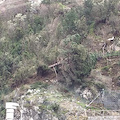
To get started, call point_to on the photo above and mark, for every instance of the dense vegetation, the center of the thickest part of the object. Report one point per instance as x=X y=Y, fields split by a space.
x=32 y=41
x=29 y=40
x=26 y=40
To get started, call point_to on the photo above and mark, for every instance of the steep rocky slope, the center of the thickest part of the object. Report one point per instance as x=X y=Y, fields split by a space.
x=70 y=35
x=46 y=102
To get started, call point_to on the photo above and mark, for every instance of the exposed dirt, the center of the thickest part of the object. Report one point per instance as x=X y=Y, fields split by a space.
x=50 y=78
x=79 y=2
x=111 y=67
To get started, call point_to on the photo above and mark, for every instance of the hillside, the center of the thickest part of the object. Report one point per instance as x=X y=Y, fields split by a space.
x=57 y=55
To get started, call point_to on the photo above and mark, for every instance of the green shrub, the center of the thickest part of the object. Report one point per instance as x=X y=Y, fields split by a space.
x=39 y=85
x=83 y=62
x=20 y=76
x=88 y=6
x=54 y=107
x=93 y=59
x=106 y=68
x=82 y=28
x=46 y=1
x=37 y=24
x=92 y=28
x=80 y=62
x=60 y=32
x=2 y=112
x=100 y=86
x=1 y=27
x=6 y=67
x=18 y=34
x=76 y=38
x=16 y=49
x=68 y=22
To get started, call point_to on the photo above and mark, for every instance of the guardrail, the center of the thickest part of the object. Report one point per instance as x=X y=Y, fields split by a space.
x=102 y=114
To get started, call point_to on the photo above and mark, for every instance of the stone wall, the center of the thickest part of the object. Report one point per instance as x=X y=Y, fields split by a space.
x=110 y=99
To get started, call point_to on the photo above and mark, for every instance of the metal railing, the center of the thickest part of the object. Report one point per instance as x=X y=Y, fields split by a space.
x=102 y=113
